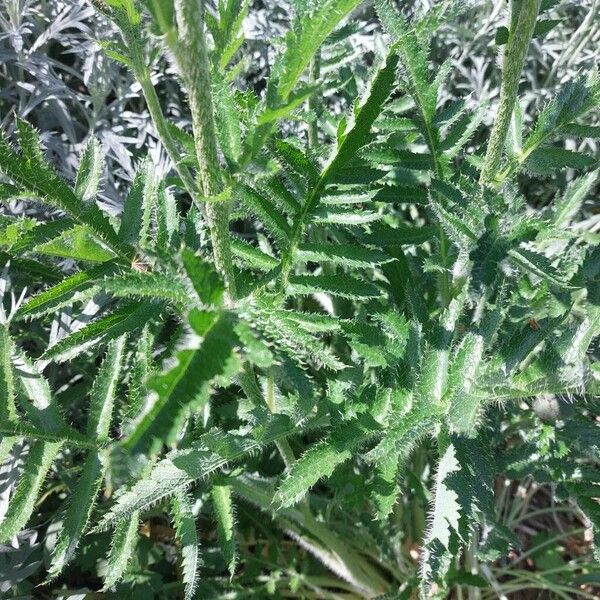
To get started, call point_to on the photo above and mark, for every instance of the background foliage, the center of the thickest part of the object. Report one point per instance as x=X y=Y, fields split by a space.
x=310 y=460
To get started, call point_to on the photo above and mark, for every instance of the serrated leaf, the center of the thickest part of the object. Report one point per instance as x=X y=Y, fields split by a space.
x=89 y=172
x=213 y=451
x=568 y=205
x=126 y=319
x=357 y=133
x=309 y=30
x=102 y=395
x=22 y=503
x=8 y=409
x=185 y=528
x=122 y=548
x=269 y=215
x=186 y=386
x=539 y=265
x=350 y=256
x=322 y=458
x=225 y=518
x=140 y=202
x=337 y=285
x=157 y=286
x=252 y=256
x=463 y=404
x=77 y=243
x=544 y=161
x=64 y=293
x=35 y=396
x=77 y=514
x=204 y=279
x=32 y=172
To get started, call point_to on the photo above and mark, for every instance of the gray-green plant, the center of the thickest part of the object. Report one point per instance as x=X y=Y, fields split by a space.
x=394 y=288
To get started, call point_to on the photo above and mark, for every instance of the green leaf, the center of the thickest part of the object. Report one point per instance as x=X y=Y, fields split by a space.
x=31 y=172
x=77 y=243
x=464 y=405
x=297 y=165
x=156 y=286
x=350 y=256
x=322 y=458
x=309 y=30
x=574 y=100
x=21 y=505
x=225 y=518
x=463 y=489
x=90 y=171
x=413 y=53
x=167 y=219
x=407 y=194
x=102 y=395
x=357 y=133
x=186 y=386
x=185 y=528
x=227 y=119
x=122 y=548
x=406 y=430
x=288 y=331
x=267 y=213
x=205 y=281
x=77 y=514
x=566 y=207
x=35 y=396
x=582 y=131
x=210 y=453
x=403 y=235
x=252 y=257
x=64 y=293
x=295 y=100
x=8 y=409
x=544 y=161
x=539 y=265
x=126 y=319
x=140 y=202
x=337 y=285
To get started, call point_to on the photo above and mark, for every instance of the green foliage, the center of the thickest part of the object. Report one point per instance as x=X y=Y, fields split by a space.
x=384 y=291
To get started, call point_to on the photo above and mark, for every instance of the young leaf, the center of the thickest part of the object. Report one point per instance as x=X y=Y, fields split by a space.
x=346 y=255
x=139 y=205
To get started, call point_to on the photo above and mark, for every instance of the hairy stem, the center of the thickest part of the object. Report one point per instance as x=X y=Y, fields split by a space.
x=132 y=39
x=314 y=103
x=512 y=66
x=192 y=59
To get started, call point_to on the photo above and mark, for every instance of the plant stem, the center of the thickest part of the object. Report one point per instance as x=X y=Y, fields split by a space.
x=314 y=103
x=142 y=74
x=192 y=58
x=512 y=66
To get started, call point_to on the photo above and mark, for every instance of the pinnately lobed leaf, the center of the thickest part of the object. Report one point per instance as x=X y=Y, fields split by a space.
x=309 y=287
